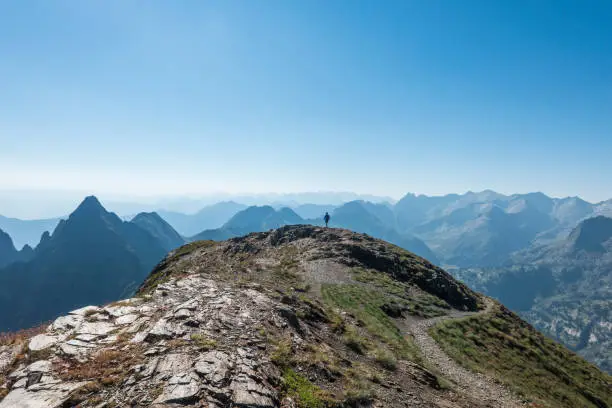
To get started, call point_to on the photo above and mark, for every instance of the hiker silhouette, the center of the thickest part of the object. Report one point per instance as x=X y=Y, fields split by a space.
x=326 y=218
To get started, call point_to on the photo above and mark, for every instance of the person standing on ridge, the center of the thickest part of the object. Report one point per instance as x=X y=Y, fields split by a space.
x=326 y=218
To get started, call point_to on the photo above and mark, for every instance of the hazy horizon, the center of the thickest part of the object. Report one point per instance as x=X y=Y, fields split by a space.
x=111 y=97
x=39 y=204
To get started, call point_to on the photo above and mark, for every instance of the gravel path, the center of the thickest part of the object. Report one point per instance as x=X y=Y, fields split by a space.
x=477 y=385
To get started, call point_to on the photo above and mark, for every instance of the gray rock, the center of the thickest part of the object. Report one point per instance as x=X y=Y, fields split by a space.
x=183 y=314
x=174 y=364
x=139 y=337
x=76 y=349
x=180 y=389
x=126 y=319
x=118 y=311
x=87 y=310
x=52 y=397
x=21 y=383
x=246 y=393
x=86 y=337
x=40 y=366
x=65 y=323
x=7 y=356
x=164 y=329
x=79 y=343
x=42 y=341
x=150 y=368
x=215 y=366
x=191 y=304
x=243 y=398
x=96 y=328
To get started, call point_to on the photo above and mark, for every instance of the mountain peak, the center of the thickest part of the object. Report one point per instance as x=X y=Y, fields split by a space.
x=89 y=205
x=148 y=216
x=591 y=234
x=155 y=225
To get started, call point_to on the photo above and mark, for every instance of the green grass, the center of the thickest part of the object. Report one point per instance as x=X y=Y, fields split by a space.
x=502 y=345
x=365 y=304
x=386 y=359
x=354 y=341
x=282 y=355
x=306 y=394
x=416 y=301
x=203 y=342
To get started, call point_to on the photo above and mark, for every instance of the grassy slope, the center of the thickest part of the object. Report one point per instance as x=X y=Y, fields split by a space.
x=502 y=345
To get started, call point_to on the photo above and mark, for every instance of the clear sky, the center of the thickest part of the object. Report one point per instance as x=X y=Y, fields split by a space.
x=188 y=97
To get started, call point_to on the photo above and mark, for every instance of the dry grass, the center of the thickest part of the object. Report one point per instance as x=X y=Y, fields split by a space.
x=106 y=368
x=20 y=336
x=19 y=340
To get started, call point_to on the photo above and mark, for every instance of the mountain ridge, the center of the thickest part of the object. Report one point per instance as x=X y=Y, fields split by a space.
x=93 y=256
x=301 y=316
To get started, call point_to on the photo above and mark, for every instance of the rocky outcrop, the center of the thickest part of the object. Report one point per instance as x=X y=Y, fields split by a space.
x=165 y=334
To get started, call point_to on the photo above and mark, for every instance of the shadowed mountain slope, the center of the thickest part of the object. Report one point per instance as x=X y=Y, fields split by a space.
x=92 y=257
x=8 y=253
x=159 y=229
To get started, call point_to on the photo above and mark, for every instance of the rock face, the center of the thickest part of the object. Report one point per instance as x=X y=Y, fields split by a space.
x=256 y=322
x=160 y=229
x=166 y=363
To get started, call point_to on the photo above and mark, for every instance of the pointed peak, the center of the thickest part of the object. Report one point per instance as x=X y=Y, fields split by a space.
x=91 y=201
x=6 y=242
x=46 y=236
x=90 y=205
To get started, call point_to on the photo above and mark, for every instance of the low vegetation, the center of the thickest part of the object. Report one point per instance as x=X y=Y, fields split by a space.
x=365 y=305
x=203 y=342
x=304 y=392
x=411 y=299
x=107 y=368
x=503 y=346
x=20 y=336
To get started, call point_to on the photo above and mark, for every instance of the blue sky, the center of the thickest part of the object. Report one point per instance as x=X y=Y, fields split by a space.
x=191 y=97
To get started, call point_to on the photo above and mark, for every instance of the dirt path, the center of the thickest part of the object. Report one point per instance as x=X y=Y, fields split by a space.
x=477 y=385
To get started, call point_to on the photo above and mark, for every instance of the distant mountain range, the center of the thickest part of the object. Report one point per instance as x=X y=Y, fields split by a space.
x=92 y=257
x=155 y=225
x=359 y=216
x=564 y=288
x=209 y=217
x=548 y=258
x=26 y=232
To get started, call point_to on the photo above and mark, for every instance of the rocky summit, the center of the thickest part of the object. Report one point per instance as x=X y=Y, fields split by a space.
x=300 y=316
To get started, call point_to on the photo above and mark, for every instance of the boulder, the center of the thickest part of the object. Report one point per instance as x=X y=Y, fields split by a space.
x=54 y=396
x=42 y=341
